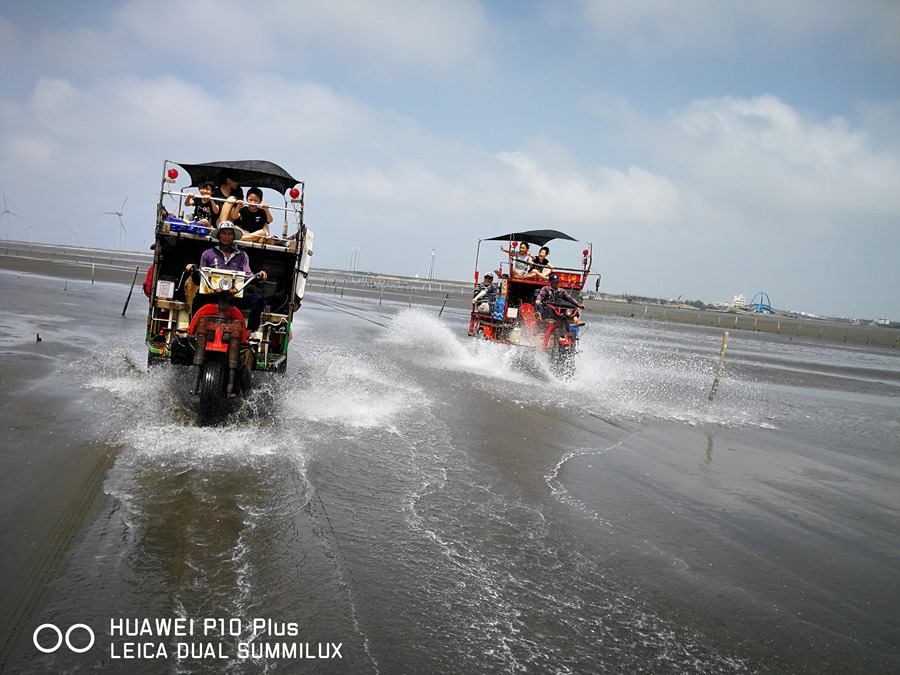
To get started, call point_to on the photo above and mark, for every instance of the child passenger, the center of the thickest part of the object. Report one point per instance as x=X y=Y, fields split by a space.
x=540 y=266
x=229 y=191
x=520 y=262
x=254 y=218
x=205 y=209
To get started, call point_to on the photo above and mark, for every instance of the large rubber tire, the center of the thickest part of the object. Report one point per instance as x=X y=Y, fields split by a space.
x=154 y=360
x=562 y=359
x=212 y=393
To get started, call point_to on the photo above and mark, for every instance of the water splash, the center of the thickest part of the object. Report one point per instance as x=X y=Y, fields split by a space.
x=662 y=376
x=619 y=373
x=351 y=389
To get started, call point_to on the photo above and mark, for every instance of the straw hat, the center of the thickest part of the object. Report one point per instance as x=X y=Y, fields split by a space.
x=227 y=225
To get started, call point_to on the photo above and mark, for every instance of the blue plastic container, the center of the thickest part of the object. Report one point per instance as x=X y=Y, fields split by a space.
x=179 y=225
x=499 y=307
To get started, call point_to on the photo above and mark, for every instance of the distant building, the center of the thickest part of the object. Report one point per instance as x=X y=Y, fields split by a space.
x=738 y=300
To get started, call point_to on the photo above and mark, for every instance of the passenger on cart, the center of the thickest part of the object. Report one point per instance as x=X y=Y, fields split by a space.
x=229 y=192
x=253 y=217
x=484 y=298
x=520 y=262
x=206 y=211
x=540 y=266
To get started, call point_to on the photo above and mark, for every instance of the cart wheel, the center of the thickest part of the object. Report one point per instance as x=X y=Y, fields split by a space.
x=212 y=393
x=154 y=360
x=562 y=358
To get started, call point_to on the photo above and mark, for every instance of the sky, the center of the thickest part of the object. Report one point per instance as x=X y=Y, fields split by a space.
x=705 y=149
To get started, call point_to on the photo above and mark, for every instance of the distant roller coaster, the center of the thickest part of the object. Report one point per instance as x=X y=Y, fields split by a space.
x=760 y=303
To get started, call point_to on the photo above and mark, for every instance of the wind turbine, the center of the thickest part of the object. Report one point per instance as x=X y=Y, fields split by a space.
x=119 y=213
x=7 y=213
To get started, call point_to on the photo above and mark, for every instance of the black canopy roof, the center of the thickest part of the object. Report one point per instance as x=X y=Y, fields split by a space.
x=536 y=237
x=251 y=172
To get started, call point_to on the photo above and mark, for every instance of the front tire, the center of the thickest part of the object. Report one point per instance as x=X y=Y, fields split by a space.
x=212 y=393
x=154 y=360
x=562 y=358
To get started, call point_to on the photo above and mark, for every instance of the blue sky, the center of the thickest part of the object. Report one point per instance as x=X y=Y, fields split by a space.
x=705 y=148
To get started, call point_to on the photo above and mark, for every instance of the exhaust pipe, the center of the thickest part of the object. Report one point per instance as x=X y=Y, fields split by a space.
x=197 y=372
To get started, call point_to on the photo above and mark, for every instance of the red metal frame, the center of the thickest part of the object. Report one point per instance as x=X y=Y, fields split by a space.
x=489 y=327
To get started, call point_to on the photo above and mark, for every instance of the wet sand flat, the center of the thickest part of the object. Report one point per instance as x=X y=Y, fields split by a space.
x=774 y=528
x=428 y=499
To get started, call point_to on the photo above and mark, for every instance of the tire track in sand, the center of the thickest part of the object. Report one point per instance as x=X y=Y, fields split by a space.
x=28 y=591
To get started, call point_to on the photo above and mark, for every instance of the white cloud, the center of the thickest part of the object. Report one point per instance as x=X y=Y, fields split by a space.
x=228 y=36
x=656 y=28
x=30 y=155
x=408 y=34
x=331 y=94
x=217 y=41
x=766 y=156
x=9 y=44
x=607 y=195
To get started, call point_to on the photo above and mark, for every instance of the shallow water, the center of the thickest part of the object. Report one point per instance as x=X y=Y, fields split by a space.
x=423 y=502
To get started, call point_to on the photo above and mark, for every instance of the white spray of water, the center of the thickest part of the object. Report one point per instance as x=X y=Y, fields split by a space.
x=352 y=390
x=619 y=374
x=362 y=396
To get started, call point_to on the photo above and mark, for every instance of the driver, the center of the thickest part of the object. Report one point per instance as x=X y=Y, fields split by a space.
x=553 y=294
x=226 y=255
x=485 y=296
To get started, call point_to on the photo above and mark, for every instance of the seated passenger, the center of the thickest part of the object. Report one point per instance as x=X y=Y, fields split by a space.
x=228 y=193
x=484 y=298
x=226 y=255
x=520 y=262
x=540 y=266
x=206 y=211
x=553 y=294
x=254 y=218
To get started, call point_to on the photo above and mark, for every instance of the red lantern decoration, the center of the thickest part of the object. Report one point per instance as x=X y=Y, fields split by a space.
x=584 y=252
x=515 y=244
x=295 y=193
x=584 y=261
x=173 y=173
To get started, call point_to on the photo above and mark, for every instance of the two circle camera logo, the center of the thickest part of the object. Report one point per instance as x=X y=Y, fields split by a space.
x=67 y=638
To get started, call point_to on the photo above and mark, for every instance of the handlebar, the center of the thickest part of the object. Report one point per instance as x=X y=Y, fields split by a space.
x=562 y=305
x=563 y=310
x=240 y=280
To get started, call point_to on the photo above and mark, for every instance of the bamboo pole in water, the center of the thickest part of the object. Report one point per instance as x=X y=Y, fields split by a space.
x=128 y=299
x=720 y=368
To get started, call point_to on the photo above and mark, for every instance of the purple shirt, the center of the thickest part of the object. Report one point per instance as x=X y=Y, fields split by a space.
x=547 y=293
x=213 y=257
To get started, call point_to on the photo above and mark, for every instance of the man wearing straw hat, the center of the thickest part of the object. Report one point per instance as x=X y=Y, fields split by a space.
x=226 y=255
